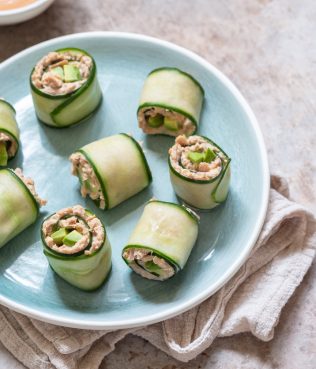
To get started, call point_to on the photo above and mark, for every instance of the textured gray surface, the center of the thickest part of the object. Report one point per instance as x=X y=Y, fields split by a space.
x=268 y=49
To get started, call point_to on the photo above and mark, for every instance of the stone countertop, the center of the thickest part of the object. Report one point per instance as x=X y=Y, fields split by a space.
x=268 y=49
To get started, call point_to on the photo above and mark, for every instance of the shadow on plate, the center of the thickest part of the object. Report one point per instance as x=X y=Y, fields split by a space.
x=64 y=141
x=122 y=210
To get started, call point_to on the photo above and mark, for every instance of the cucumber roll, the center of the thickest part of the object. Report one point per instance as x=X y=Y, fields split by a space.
x=19 y=203
x=199 y=171
x=9 y=133
x=111 y=170
x=162 y=241
x=170 y=103
x=77 y=247
x=65 y=88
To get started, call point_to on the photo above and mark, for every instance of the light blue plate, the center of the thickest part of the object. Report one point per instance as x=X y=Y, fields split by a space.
x=227 y=234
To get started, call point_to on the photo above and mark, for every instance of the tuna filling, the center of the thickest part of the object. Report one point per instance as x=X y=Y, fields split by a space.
x=73 y=231
x=60 y=73
x=147 y=264
x=196 y=158
x=90 y=185
x=155 y=120
x=8 y=147
x=31 y=186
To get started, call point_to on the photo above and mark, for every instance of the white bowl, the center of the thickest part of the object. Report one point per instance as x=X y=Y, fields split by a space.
x=24 y=13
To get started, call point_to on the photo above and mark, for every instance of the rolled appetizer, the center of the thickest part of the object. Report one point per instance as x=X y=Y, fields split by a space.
x=162 y=241
x=65 y=88
x=77 y=247
x=19 y=203
x=111 y=170
x=199 y=171
x=170 y=103
x=9 y=133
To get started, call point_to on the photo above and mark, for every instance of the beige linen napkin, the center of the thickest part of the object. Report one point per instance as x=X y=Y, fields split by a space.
x=250 y=302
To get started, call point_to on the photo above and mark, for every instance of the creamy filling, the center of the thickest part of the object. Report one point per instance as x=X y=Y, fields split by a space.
x=48 y=75
x=87 y=225
x=184 y=124
x=10 y=144
x=180 y=158
x=31 y=186
x=90 y=185
x=148 y=265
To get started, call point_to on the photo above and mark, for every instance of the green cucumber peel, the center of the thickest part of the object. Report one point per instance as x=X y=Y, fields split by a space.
x=26 y=189
x=183 y=208
x=220 y=192
x=141 y=153
x=2 y=101
x=181 y=72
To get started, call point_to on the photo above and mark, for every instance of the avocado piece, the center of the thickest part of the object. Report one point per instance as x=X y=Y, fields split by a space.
x=3 y=154
x=59 y=235
x=209 y=155
x=170 y=124
x=196 y=157
x=156 y=121
x=72 y=73
x=72 y=238
x=58 y=71
x=152 y=267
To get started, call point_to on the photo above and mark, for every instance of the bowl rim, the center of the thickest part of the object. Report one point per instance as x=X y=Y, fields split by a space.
x=231 y=271
x=24 y=9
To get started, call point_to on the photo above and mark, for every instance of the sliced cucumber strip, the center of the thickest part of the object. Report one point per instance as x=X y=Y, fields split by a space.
x=204 y=193
x=221 y=191
x=68 y=108
x=18 y=208
x=162 y=240
x=173 y=94
x=9 y=133
x=85 y=266
x=119 y=166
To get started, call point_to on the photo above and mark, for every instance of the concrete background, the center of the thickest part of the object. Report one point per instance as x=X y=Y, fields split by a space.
x=268 y=49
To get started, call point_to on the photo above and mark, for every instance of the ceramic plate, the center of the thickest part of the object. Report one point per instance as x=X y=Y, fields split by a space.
x=226 y=236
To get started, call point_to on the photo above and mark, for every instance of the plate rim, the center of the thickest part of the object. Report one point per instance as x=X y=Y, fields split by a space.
x=232 y=270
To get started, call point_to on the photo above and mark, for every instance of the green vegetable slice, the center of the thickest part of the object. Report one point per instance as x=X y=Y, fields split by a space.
x=18 y=210
x=162 y=240
x=199 y=193
x=104 y=157
x=64 y=110
x=8 y=127
x=84 y=270
x=174 y=94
